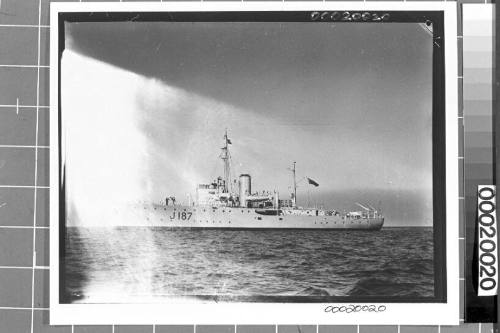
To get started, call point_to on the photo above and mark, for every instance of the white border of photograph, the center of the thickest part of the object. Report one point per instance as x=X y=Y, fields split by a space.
x=211 y=312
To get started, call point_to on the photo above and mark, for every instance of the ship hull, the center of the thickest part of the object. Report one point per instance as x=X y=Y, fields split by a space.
x=245 y=218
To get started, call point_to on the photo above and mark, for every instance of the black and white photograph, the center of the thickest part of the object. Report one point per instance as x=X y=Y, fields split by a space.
x=252 y=157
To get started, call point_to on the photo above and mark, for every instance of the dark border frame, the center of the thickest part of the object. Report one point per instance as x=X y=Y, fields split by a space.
x=438 y=129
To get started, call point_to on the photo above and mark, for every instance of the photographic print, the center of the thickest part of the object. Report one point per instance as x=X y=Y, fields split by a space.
x=252 y=157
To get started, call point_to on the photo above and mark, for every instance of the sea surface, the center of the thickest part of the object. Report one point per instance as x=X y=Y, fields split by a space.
x=143 y=264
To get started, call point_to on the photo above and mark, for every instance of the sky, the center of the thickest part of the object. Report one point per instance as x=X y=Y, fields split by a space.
x=146 y=105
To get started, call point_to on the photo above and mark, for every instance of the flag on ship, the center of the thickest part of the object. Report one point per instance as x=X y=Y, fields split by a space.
x=312 y=182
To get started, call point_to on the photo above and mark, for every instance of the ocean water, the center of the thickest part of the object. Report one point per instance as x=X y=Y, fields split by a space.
x=145 y=264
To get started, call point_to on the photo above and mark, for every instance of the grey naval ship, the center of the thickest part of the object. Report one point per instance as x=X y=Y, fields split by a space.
x=218 y=205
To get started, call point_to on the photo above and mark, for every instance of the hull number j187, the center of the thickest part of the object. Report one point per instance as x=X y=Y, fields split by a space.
x=181 y=215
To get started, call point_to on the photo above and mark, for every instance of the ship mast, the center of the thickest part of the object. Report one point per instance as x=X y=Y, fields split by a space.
x=294 y=186
x=225 y=158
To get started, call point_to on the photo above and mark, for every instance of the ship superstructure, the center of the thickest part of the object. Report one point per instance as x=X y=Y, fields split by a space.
x=232 y=204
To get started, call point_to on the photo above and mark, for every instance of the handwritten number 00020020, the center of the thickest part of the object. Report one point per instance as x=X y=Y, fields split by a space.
x=352 y=308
